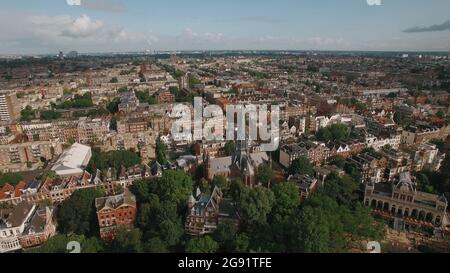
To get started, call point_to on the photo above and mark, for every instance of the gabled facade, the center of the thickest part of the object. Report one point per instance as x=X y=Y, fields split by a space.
x=114 y=212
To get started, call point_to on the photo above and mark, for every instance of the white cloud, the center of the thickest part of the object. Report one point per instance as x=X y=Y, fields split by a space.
x=189 y=34
x=82 y=27
x=99 y=5
x=73 y=2
x=46 y=34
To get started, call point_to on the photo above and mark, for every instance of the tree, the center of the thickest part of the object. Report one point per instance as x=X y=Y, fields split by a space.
x=171 y=231
x=78 y=102
x=225 y=235
x=302 y=166
x=360 y=225
x=175 y=186
x=313 y=232
x=440 y=144
x=341 y=189
x=286 y=199
x=50 y=115
x=441 y=115
x=324 y=135
x=338 y=161
x=122 y=89
x=127 y=241
x=161 y=152
x=27 y=114
x=114 y=80
x=58 y=244
x=113 y=159
x=334 y=133
x=236 y=189
x=113 y=106
x=77 y=214
x=241 y=243
x=220 y=182
x=48 y=174
x=10 y=178
x=156 y=245
x=230 y=147
x=144 y=97
x=256 y=204
x=113 y=123
x=202 y=245
x=353 y=171
x=264 y=174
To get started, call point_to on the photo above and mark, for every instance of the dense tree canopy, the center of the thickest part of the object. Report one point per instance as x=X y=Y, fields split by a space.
x=230 y=148
x=220 y=182
x=162 y=210
x=264 y=174
x=50 y=115
x=333 y=133
x=113 y=159
x=127 y=241
x=301 y=166
x=144 y=97
x=10 y=178
x=77 y=214
x=27 y=114
x=161 y=152
x=256 y=204
x=79 y=101
x=58 y=244
x=202 y=245
x=175 y=186
x=113 y=106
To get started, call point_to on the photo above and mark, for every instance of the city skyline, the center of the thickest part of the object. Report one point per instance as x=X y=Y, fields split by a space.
x=96 y=26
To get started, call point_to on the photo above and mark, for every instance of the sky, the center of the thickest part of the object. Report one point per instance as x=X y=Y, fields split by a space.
x=88 y=26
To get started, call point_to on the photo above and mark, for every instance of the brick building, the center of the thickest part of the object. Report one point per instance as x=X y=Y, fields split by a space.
x=114 y=212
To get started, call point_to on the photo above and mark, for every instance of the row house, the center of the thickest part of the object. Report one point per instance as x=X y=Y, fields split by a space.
x=209 y=149
x=132 y=125
x=16 y=157
x=380 y=125
x=25 y=225
x=425 y=156
x=315 y=152
x=371 y=167
x=40 y=228
x=9 y=191
x=134 y=172
x=165 y=97
x=65 y=131
x=397 y=162
x=349 y=148
x=380 y=142
x=144 y=142
x=424 y=133
x=93 y=130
